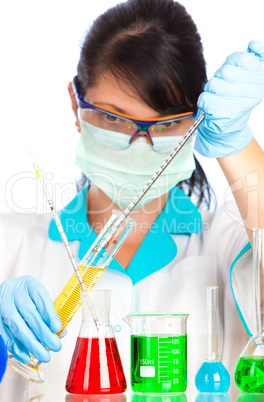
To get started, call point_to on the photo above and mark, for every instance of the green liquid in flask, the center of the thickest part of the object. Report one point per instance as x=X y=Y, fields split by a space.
x=159 y=363
x=249 y=374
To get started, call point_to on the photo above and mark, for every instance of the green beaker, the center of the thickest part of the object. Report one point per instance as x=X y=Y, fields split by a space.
x=249 y=372
x=158 y=352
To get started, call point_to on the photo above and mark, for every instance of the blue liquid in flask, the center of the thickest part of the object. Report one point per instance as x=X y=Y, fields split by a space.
x=212 y=377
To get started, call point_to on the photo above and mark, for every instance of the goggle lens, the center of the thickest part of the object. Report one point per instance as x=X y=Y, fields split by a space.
x=108 y=121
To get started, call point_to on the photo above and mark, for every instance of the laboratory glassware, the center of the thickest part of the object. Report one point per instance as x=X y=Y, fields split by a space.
x=212 y=376
x=91 y=267
x=96 y=366
x=3 y=358
x=158 y=352
x=249 y=372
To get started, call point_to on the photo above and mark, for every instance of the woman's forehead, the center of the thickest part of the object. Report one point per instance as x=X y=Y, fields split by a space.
x=118 y=96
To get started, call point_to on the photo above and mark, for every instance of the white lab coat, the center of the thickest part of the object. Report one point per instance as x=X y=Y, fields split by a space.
x=203 y=259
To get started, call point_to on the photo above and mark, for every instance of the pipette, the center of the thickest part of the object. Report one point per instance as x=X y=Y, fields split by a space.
x=57 y=221
x=32 y=370
x=62 y=233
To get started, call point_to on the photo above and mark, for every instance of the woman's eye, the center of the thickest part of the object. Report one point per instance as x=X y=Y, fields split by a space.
x=110 y=118
x=167 y=125
x=170 y=124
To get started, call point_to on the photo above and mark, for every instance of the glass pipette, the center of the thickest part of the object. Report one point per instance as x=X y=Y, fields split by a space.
x=68 y=301
x=212 y=376
x=64 y=239
x=57 y=221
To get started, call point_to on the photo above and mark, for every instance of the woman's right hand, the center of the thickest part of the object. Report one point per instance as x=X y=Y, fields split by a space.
x=28 y=319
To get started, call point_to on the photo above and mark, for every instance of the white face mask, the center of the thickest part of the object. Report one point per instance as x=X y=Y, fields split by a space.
x=121 y=173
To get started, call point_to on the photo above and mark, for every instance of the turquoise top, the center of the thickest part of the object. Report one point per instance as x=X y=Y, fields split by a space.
x=179 y=216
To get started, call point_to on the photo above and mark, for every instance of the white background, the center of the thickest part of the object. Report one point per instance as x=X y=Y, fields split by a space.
x=40 y=45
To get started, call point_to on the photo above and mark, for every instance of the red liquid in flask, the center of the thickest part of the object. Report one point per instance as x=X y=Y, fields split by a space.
x=96 y=368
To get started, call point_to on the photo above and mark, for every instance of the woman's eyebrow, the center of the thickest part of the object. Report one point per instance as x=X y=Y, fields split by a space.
x=110 y=106
x=119 y=110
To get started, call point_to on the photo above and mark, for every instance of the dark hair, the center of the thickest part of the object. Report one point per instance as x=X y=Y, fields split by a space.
x=153 y=47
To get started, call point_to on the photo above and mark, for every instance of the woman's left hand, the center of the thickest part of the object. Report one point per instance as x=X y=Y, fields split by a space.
x=228 y=98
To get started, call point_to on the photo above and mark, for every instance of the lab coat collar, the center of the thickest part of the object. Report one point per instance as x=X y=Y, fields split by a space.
x=158 y=249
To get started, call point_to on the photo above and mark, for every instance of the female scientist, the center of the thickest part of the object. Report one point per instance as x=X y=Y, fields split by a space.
x=143 y=60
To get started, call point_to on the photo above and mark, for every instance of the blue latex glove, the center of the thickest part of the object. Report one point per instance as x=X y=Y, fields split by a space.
x=228 y=98
x=28 y=319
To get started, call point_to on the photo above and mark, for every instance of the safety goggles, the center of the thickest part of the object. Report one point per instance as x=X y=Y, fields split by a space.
x=111 y=120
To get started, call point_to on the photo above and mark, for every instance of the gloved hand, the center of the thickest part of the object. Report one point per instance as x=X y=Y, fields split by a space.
x=27 y=319
x=228 y=98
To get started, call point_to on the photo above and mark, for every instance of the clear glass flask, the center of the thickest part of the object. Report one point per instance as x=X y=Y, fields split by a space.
x=212 y=376
x=96 y=367
x=249 y=372
x=92 y=266
x=158 y=352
